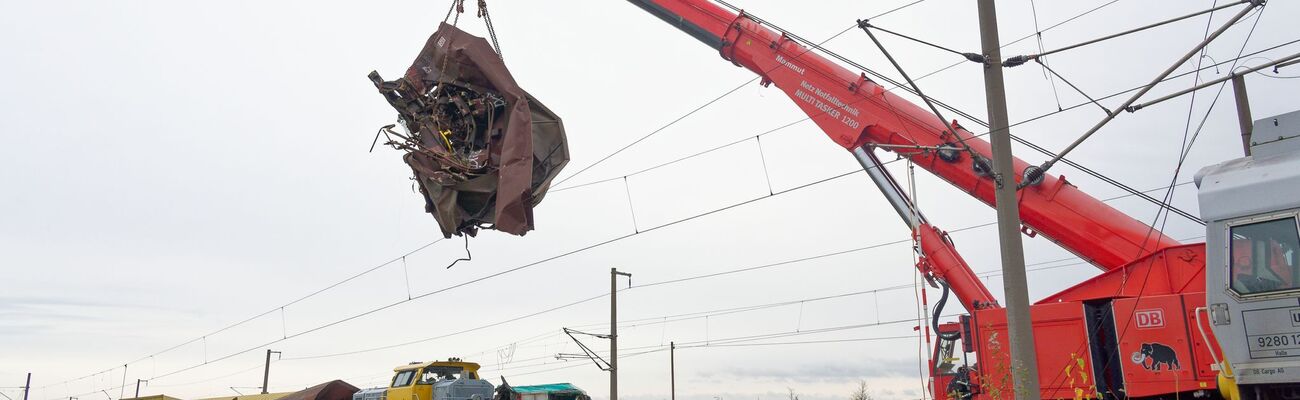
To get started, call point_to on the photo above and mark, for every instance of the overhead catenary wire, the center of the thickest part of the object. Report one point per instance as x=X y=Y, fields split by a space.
x=967 y=115
x=870 y=339
x=723 y=342
x=501 y=273
x=1104 y=178
x=250 y=368
x=896 y=84
x=695 y=315
x=589 y=299
x=1018 y=139
x=1023 y=38
x=1040 y=149
x=898 y=287
x=1038 y=35
x=915 y=88
x=313 y=294
x=620 y=356
x=656 y=131
x=279 y=308
x=1182 y=158
x=719 y=342
x=1191 y=106
x=656 y=320
x=703 y=276
x=973 y=57
x=698 y=314
x=819 y=47
x=1276 y=67
x=1172 y=77
x=681 y=159
x=1044 y=151
x=714 y=100
x=1231 y=75
x=1021 y=59
x=1184 y=149
x=665 y=319
x=1071 y=84
x=740 y=342
x=518 y=344
x=464 y=331
x=1031 y=145
x=412 y=298
x=1033 y=175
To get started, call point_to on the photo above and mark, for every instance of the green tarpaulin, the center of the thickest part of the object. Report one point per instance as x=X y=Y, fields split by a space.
x=549 y=388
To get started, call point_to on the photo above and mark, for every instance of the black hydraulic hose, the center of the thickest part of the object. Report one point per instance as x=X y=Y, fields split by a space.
x=938 y=309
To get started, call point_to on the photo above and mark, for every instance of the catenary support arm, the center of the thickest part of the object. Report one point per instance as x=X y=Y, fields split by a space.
x=855 y=111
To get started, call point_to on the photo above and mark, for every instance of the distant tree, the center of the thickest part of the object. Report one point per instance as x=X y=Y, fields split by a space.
x=793 y=395
x=861 y=393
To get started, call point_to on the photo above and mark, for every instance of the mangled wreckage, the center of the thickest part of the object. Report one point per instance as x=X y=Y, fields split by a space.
x=482 y=149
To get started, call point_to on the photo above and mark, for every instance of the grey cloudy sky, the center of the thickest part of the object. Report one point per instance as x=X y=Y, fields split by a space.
x=170 y=168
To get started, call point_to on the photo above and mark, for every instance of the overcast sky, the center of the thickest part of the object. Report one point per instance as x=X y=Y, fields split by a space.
x=171 y=168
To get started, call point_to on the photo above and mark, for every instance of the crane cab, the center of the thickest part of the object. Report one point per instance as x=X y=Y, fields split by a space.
x=951 y=367
x=1251 y=206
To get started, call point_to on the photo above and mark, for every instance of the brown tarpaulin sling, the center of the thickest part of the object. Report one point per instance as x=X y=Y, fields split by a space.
x=516 y=152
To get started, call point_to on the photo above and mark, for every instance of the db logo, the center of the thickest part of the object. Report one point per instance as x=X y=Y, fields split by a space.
x=1150 y=318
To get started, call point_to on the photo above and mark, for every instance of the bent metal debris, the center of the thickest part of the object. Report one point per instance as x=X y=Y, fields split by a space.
x=482 y=149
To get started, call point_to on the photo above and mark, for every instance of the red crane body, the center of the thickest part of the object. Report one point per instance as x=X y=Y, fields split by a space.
x=1085 y=333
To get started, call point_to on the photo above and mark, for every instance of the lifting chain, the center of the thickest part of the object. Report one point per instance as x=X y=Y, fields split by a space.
x=492 y=32
x=458 y=8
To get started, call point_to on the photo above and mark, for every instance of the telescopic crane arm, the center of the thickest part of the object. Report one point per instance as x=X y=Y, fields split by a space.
x=939 y=260
x=859 y=114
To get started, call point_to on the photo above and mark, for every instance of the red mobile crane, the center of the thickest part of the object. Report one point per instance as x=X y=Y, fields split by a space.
x=1129 y=332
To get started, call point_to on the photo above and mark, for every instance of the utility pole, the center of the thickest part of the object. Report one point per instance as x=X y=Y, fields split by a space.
x=121 y=390
x=266 y=373
x=1024 y=362
x=613 y=330
x=137 y=386
x=672 y=369
x=28 y=387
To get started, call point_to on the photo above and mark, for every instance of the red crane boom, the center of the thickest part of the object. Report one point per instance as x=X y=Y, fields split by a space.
x=854 y=112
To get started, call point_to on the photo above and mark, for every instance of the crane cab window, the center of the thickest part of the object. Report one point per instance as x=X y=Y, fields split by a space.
x=1265 y=257
x=948 y=356
x=403 y=379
